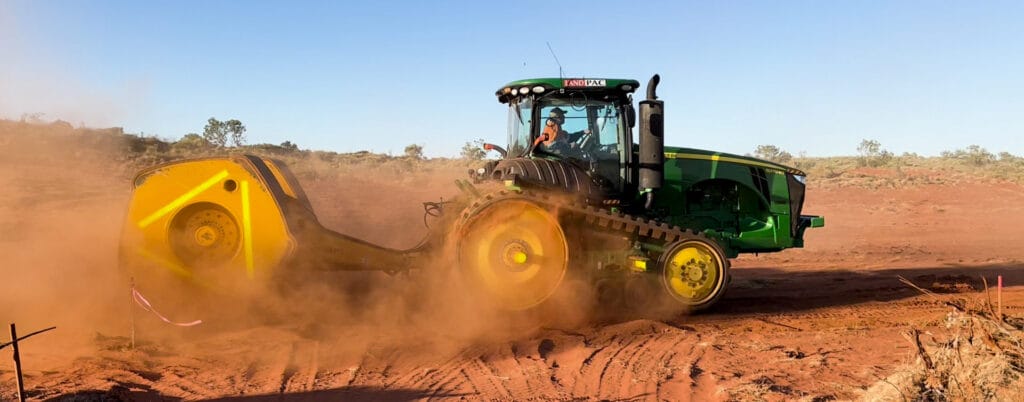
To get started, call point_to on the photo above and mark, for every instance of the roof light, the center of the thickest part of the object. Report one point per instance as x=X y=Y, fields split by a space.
x=538 y=89
x=524 y=90
x=515 y=92
x=627 y=87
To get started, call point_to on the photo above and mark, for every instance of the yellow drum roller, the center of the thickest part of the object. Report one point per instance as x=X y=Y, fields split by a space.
x=221 y=223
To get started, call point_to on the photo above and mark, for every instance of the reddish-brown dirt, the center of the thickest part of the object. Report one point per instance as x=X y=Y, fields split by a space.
x=820 y=323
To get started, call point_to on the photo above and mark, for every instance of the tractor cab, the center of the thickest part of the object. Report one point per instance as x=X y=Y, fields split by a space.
x=584 y=123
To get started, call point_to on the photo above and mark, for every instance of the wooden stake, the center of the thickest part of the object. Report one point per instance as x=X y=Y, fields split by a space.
x=17 y=363
x=131 y=309
x=999 y=297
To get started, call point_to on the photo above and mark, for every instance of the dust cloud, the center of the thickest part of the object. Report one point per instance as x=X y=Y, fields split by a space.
x=62 y=212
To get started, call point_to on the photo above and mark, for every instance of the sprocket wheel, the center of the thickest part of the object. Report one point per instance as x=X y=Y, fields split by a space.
x=514 y=251
x=694 y=271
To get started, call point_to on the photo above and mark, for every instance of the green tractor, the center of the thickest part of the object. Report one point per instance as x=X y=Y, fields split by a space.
x=616 y=210
x=576 y=197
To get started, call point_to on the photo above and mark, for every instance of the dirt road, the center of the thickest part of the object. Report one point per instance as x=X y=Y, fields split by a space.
x=822 y=323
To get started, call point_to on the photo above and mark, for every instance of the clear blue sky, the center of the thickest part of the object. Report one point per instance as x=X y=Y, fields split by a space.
x=813 y=76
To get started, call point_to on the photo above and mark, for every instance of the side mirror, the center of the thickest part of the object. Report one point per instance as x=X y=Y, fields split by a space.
x=630 y=116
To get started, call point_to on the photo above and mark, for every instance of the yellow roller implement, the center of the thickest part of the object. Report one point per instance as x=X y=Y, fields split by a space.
x=195 y=220
x=233 y=222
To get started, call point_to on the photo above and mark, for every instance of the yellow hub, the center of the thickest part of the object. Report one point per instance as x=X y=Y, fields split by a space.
x=206 y=236
x=693 y=272
x=515 y=256
x=515 y=252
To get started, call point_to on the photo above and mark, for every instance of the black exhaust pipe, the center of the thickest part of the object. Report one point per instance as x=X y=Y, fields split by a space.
x=652 y=142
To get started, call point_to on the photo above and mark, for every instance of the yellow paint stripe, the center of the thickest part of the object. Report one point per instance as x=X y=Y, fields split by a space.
x=169 y=265
x=166 y=209
x=247 y=231
x=174 y=267
x=716 y=158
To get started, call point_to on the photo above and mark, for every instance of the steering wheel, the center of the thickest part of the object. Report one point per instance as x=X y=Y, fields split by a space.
x=586 y=142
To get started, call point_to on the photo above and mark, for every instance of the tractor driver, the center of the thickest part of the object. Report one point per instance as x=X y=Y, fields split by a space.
x=557 y=140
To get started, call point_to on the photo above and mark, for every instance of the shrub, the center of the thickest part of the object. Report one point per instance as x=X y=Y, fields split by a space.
x=190 y=142
x=473 y=150
x=872 y=154
x=414 y=151
x=974 y=155
x=772 y=153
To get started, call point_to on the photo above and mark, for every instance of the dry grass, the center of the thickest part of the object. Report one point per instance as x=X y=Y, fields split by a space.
x=908 y=170
x=980 y=358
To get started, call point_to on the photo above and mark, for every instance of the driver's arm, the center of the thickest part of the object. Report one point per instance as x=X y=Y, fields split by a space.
x=573 y=137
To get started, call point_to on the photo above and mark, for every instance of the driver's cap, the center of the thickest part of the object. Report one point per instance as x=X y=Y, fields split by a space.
x=557 y=114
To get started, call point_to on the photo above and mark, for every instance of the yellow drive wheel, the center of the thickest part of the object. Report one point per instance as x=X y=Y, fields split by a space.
x=695 y=271
x=513 y=251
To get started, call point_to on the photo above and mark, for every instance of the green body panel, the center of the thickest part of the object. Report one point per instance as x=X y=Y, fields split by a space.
x=716 y=192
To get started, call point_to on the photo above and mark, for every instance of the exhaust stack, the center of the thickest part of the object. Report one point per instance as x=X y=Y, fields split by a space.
x=652 y=142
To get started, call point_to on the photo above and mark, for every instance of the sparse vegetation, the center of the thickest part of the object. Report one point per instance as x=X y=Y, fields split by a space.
x=414 y=151
x=908 y=169
x=980 y=358
x=219 y=132
x=772 y=153
x=473 y=150
x=872 y=154
x=974 y=154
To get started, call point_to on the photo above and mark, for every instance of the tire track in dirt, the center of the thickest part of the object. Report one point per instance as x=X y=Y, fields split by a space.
x=615 y=375
x=303 y=368
x=447 y=377
x=608 y=369
x=537 y=373
x=489 y=379
x=669 y=385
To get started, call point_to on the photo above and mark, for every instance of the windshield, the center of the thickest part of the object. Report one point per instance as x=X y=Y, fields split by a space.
x=519 y=118
x=589 y=131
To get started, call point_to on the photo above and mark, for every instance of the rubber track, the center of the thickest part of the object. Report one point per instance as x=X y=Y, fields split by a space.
x=615 y=221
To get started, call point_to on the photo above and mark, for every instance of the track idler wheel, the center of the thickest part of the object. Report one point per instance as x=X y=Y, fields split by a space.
x=514 y=252
x=695 y=271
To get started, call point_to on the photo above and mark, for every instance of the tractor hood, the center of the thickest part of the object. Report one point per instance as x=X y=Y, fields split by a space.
x=701 y=154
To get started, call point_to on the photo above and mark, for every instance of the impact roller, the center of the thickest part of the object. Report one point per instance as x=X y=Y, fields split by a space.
x=218 y=224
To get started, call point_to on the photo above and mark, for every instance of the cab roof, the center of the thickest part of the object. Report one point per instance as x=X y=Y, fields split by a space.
x=543 y=85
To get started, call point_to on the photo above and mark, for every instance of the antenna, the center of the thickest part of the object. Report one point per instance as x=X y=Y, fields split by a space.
x=556 y=59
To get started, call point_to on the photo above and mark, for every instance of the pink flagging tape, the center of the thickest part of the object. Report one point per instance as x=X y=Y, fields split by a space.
x=141 y=301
